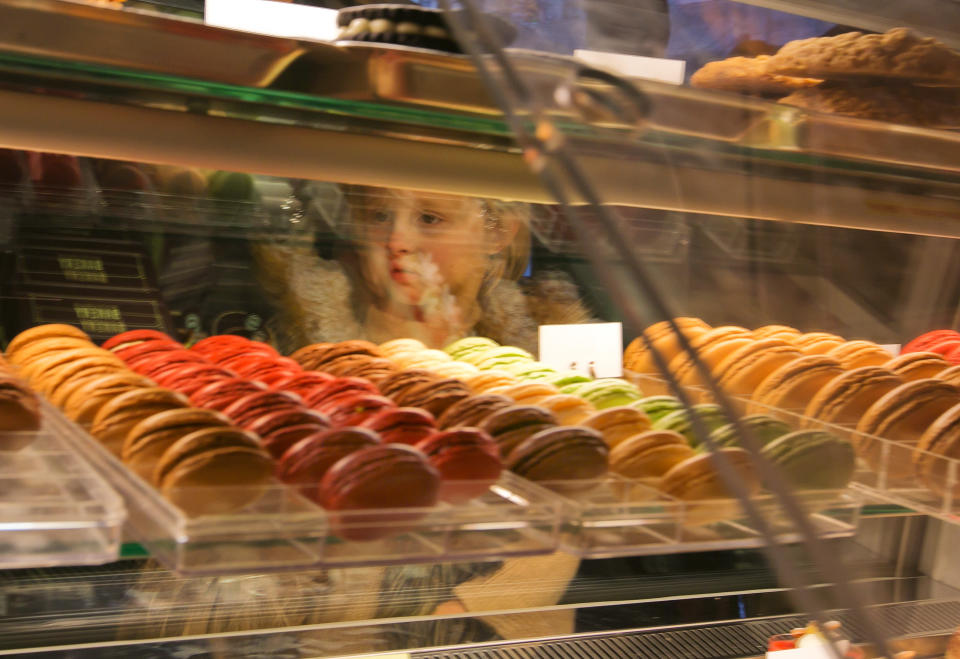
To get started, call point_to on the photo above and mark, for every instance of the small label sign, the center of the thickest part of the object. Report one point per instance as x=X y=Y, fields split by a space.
x=277 y=19
x=594 y=349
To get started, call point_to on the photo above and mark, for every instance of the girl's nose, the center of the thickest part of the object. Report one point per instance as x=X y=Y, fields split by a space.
x=403 y=238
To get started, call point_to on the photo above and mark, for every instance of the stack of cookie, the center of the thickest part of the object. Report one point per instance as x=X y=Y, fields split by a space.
x=897 y=76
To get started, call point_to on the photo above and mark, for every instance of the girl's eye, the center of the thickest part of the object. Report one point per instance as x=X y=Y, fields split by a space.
x=430 y=219
x=381 y=216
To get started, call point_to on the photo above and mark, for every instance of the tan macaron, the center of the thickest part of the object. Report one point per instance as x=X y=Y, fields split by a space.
x=148 y=440
x=938 y=447
x=114 y=420
x=526 y=393
x=486 y=380
x=742 y=372
x=50 y=381
x=917 y=365
x=84 y=403
x=28 y=336
x=782 y=332
x=792 y=386
x=570 y=410
x=639 y=359
x=618 y=423
x=649 y=455
x=951 y=375
x=46 y=347
x=857 y=354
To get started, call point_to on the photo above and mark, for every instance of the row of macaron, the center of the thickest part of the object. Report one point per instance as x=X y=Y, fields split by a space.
x=944 y=342
x=19 y=411
x=907 y=399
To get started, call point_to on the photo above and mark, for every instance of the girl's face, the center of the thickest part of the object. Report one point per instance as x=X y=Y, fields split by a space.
x=416 y=248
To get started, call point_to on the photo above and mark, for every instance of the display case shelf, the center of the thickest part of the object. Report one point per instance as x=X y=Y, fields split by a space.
x=54 y=508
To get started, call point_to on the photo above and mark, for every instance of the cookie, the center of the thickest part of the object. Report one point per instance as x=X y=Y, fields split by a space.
x=748 y=75
x=890 y=102
x=896 y=54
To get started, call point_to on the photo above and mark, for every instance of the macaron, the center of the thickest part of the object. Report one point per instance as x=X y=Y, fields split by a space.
x=917 y=365
x=434 y=397
x=214 y=471
x=762 y=427
x=343 y=386
x=49 y=331
x=902 y=416
x=221 y=394
x=656 y=407
x=82 y=403
x=638 y=358
x=696 y=479
x=252 y=366
x=817 y=343
x=135 y=354
x=743 y=370
x=134 y=337
x=529 y=370
x=459 y=370
x=360 y=366
x=467 y=459
x=793 y=385
x=510 y=426
x=277 y=441
x=649 y=455
x=561 y=456
x=937 y=448
x=486 y=380
x=563 y=378
x=190 y=378
x=115 y=419
x=812 y=460
x=397 y=384
x=681 y=421
x=857 y=354
x=950 y=375
x=401 y=425
x=468 y=345
x=608 y=392
x=212 y=344
x=354 y=410
x=50 y=381
x=526 y=393
x=471 y=411
x=388 y=348
x=72 y=393
x=19 y=414
x=307 y=461
x=364 y=492
x=306 y=382
x=570 y=410
x=617 y=424
x=845 y=398
x=41 y=348
x=156 y=365
x=249 y=408
x=270 y=422
x=313 y=357
x=711 y=356
x=497 y=357
x=36 y=370
x=926 y=340
x=782 y=332
x=420 y=359
x=149 y=439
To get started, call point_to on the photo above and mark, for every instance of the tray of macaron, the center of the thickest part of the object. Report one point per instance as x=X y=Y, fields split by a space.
x=232 y=457
x=659 y=491
x=897 y=412
x=54 y=508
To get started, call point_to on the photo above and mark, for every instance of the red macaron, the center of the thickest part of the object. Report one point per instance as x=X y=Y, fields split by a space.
x=137 y=353
x=278 y=441
x=188 y=377
x=221 y=394
x=134 y=337
x=364 y=491
x=354 y=409
x=307 y=461
x=337 y=387
x=923 y=342
x=211 y=344
x=273 y=421
x=402 y=425
x=305 y=383
x=468 y=461
x=251 y=407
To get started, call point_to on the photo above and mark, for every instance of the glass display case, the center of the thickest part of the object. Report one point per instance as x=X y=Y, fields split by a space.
x=278 y=307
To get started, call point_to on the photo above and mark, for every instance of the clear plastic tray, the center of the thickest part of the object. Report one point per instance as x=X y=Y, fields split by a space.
x=617 y=516
x=284 y=530
x=54 y=508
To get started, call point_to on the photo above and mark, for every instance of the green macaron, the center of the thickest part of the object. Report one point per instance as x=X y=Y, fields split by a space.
x=681 y=421
x=468 y=345
x=656 y=407
x=763 y=427
x=497 y=357
x=608 y=392
x=812 y=459
x=529 y=370
x=566 y=378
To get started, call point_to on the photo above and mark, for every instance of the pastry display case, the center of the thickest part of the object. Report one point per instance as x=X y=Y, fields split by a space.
x=281 y=303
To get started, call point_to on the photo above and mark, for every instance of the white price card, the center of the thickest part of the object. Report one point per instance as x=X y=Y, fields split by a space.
x=594 y=349
x=277 y=19
x=388 y=655
x=892 y=348
x=635 y=66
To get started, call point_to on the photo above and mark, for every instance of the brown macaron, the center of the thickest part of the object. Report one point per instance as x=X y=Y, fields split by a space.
x=28 y=336
x=84 y=402
x=792 y=386
x=434 y=397
x=227 y=459
x=398 y=384
x=510 y=426
x=902 y=416
x=314 y=357
x=942 y=438
x=115 y=419
x=845 y=398
x=149 y=440
x=917 y=365
x=471 y=411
